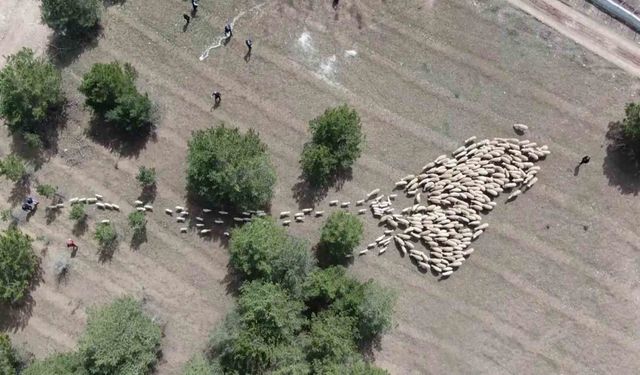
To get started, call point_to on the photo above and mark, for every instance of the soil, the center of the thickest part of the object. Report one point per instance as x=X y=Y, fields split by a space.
x=541 y=294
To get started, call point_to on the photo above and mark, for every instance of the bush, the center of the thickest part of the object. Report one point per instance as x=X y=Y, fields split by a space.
x=57 y=364
x=106 y=236
x=18 y=265
x=631 y=122
x=8 y=357
x=13 y=168
x=71 y=17
x=33 y=141
x=78 y=213
x=255 y=336
x=324 y=286
x=261 y=250
x=341 y=233
x=199 y=365
x=137 y=222
x=120 y=339
x=331 y=340
x=336 y=138
x=146 y=176
x=47 y=190
x=353 y=367
x=111 y=92
x=29 y=90
x=228 y=167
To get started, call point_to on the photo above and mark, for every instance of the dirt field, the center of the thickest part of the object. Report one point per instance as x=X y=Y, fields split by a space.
x=553 y=284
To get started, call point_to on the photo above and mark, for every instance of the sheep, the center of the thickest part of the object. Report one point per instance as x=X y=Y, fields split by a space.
x=286 y=222
x=206 y=210
x=307 y=211
x=514 y=195
x=100 y=205
x=223 y=213
x=105 y=221
x=238 y=220
x=226 y=234
x=363 y=252
x=300 y=219
x=360 y=202
x=393 y=196
x=108 y=206
x=60 y=205
x=181 y=219
x=218 y=221
x=179 y=208
x=199 y=225
x=372 y=193
x=99 y=197
x=333 y=203
x=319 y=213
x=138 y=202
x=183 y=230
x=82 y=200
x=285 y=214
x=184 y=213
x=381 y=251
x=345 y=204
x=73 y=200
x=198 y=218
x=140 y=209
x=520 y=128
x=168 y=211
x=91 y=200
x=298 y=214
x=148 y=207
x=115 y=207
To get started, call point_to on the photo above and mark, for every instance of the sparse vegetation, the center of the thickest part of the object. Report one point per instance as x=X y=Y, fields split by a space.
x=137 y=222
x=71 y=17
x=48 y=191
x=18 y=265
x=57 y=364
x=336 y=142
x=61 y=267
x=13 y=168
x=8 y=357
x=78 y=212
x=198 y=365
x=340 y=235
x=111 y=92
x=106 y=236
x=631 y=122
x=226 y=166
x=146 y=176
x=30 y=88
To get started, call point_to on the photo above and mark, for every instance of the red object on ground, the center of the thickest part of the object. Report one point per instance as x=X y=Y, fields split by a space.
x=70 y=243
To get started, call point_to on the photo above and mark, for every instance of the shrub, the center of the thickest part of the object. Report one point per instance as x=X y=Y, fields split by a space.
x=111 y=92
x=137 y=222
x=57 y=364
x=355 y=366
x=331 y=340
x=13 y=168
x=146 y=176
x=255 y=336
x=33 y=141
x=324 y=286
x=340 y=235
x=29 y=90
x=262 y=250
x=106 y=236
x=78 y=213
x=18 y=265
x=336 y=138
x=631 y=122
x=198 y=365
x=47 y=190
x=120 y=339
x=226 y=166
x=8 y=357
x=71 y=17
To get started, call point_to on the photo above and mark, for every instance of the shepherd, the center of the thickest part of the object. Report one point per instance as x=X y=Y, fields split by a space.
x=217 y=97
x=228 y=31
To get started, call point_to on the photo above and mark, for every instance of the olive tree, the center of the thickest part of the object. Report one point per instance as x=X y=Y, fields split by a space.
x=228 y=167
x=30 y=89
x=18 y=265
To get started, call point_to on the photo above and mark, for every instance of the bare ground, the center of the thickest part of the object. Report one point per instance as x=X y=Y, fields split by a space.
x=552 y=286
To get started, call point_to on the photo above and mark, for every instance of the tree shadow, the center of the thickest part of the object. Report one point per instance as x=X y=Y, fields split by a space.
x=80 y=227
x=108 y=3
x=149 y=193
x=622 y=162
x=65 y=49
x=105 y=253
x=15 y=316
x=21 y=189
x=138 y=239
x=51 y=214
x=232 y=281
x=126 y=144
x=307 y=195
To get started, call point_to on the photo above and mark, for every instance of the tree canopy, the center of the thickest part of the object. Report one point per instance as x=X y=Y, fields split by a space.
x=71 y=17
x=227 y=167
x=631 y=122
x=57 y=364
x=18 y=265
x=30 y=88
x=111 y=92
x=336 y=142
x=341 y=233
x=8 y=358
x=120 y=339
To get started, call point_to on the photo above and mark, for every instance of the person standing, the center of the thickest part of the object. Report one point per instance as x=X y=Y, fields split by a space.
x=249 y=44
x=228 y=32
x=217 y=97
x=585 y=160
x=194 y=4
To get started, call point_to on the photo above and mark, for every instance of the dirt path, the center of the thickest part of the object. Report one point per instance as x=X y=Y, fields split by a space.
x=583 y=30
x=20 y=26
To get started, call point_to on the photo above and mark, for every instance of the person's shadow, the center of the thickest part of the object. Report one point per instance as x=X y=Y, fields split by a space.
x=576 y=170
x=247 y=56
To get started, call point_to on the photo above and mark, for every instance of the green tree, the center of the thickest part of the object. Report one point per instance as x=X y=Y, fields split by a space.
x=198 y=365
x=331 y=340
x=13 y=167
x=30 y=88
x=631 y=122
x=253 y=338
x=120 y=339
x=111 y=92
x=18 y=265
x=146 y=176
x=71 y=17
x=340 y=235
x=47 y=190
x=227 y=167
x=78 y=213
x=336 y=142
x=57 y=364
x=325 y=286
x=354 y=366
x=106 y=236
x=137 y=222
x=8 y=358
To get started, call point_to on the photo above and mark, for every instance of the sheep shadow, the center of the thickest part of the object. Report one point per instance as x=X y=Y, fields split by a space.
x=621 y=164
x=126 y=144
x=308 y=195
x=65 y=49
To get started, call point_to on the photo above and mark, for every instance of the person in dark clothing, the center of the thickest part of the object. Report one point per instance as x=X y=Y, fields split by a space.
x=249 y=44
x=217 y=97
x=186 y=18
x=194 y=4
x=227 y=30
x=585 y=160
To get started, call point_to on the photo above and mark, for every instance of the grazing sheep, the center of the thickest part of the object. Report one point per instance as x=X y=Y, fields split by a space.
x=199 y=225
x=168 y=211
x=333 y=203
x=115 y=207
x=372 y=193
x=345 y=204
x=285 y=214
x=198 y=218
x=179 y=208
x=148 y=207
x=91 y=200
x=138 y=203
x=319 y=213
x=141 y=209
x=100 y=205
x=105 y=221
x=307 y=211
x=300 y=219
x=223 y=213
x=226 y=234
x=218 y=221
x=206 y=210
x=520 y=128
x=360 y=202
x=363 y=252
x=99 y=197
x=286 y=222
x=73 y=200
x=183 y=230
x=181 y=219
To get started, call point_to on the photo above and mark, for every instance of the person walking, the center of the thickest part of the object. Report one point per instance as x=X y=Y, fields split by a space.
x=194 y=4
x=228 y=32
x=217 y=97
x=71 y=245
x=585 y=160
x=249 y=44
